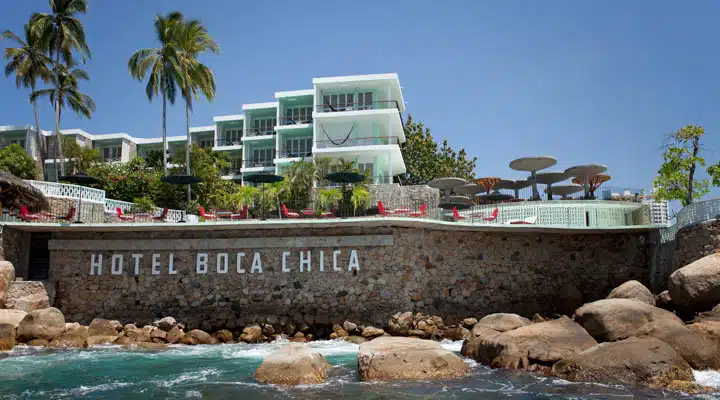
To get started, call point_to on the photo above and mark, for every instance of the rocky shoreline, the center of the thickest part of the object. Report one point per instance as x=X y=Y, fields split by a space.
x=631 y=337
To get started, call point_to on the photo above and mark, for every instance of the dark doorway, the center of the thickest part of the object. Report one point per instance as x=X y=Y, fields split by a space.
x=39 y=260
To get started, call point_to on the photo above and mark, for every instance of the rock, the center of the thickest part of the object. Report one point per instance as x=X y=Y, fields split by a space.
x=293 y=364
x=196 y=336
x=539 y=344
x=538 y=318
x=689 y=387
x=350 y=327
x=645 y=360
x=165 y=323
x=417 y=333
x=102 y=327
x=96 y=340
x=615 y=319
x=696 y=286
x=339 y=331
x=708 y=328
x=47 y=324
x=7 y=276
x=118 y=326
x=400 y=324
x=568 y=299
x=132 y=334
x=38 y=343
x=469 y=322
x=147 y=346
x=27 y=296
x=429 y=327
x=7 y=336
x=77 y=336
x=158 y=336
x=370 y=332
x=663 y=300
x=174 y=335
x=130 y=327
x=456 y=333
x=503 y=322
x=395 y=358
x=252 y=334
x=223 y=336
x=299 y=337
x=633 y=290
x=355 y=339
x=268 y=330
x=12 y=317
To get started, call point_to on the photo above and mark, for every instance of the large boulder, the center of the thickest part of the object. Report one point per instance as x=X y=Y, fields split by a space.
x=503 y=322
x=98 y=340
x=47 y=324
x=567 y=299
x=528 y=347
x=7 y=336
x=370 y=332
x=174 y=335
x=633 y=290
x=75 y=335
x=7 y=276
x=252 y=334
x=196 y=336
x=12 y=317
x=293 y=364
x=696 y=286
x=27 y=296
x=400 y=324
x=224 y=336
x=616 y=319
x=645 y=360
x=102 y=327
x=165 y=323
x=395 y=358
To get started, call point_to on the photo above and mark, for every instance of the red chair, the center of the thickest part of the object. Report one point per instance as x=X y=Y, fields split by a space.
x=382 y=211
x=420 y=213
x=243 y=214
x=162 y=217
x=206 y=216
x=123 y=217
x=67 y=217
x=456 y=215
x=308 y=212
x=493 y=217
x=289 y=214
x=27 y=216
x=328 y=214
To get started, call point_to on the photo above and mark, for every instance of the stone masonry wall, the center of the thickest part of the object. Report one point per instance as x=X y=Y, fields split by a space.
x=396 y=196
x=444 y=272
x=696 y=241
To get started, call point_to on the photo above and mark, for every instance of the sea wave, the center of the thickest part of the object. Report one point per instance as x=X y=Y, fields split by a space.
x=707 y=377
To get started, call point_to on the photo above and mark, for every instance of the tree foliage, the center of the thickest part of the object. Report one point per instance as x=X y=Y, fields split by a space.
x=18 y=162
x=80 y=158
x=425 y=162
x=677 y=176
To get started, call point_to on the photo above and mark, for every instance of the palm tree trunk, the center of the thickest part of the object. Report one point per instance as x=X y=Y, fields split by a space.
x=187 y=147
x=165 y=149
x=39 y=137
x=58 y=135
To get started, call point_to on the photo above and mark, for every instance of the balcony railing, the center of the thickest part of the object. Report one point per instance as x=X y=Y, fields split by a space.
x=294 y=153
x=296 y=120
x=258 y=163
x=260 y=132
x=364 y=141
x=228 y=141
x=372 y=105
x=230 y=171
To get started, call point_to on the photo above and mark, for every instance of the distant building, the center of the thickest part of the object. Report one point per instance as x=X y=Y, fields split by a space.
x=659 y=210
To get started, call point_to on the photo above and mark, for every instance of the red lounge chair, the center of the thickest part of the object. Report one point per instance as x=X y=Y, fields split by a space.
x=206 y=216
x=27 y=216
x=162 y=217
x=67 y=217
x=493 y=217
x=456 y=215
x=289 y=214
x=242 y=215
x=525 y=221
x=123 y=217
x=328 y=214
x=420 y=213
x=382 y=211
x=308 y=212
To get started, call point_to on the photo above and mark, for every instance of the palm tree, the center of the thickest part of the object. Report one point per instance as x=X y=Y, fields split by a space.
x=29 y=63
x=193 y=40
x=61 y=33
x=64 y=93
x=162 y=66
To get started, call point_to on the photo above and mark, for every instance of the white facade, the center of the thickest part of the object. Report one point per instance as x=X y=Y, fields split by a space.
x=659 y=211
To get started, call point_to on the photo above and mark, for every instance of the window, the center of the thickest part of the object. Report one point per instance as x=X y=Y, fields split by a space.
x=298 y=147
x=111 y=153
x=231 y=136
x=206 y=144
x=365 y=101
x=262 y=157
x=298 y=115
x=264 y=126
x=19 y=142
x=345 y=102
x=366 y=169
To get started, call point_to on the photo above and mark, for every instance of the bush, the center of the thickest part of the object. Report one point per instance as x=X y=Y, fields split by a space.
x=18 y=162
x=144 y=204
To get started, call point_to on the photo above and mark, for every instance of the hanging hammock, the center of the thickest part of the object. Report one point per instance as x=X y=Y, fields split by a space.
x=341 y=142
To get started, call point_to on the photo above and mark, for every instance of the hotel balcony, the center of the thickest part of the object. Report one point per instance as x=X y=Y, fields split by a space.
x=228 y=143
x=299 y=121
x=332 y=106
x=255 y=134
x=231 y=173
x=354 y=142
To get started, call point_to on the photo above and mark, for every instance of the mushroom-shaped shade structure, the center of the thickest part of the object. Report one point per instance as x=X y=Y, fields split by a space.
x=594 y=182
x=565 y=190
x=448 y=202
x=585 y=171
x=15 y=192
x=496 y=196
x=550 y=178
x=446 y=183
x=532 y=165
x=469 y=189
x=487 y=182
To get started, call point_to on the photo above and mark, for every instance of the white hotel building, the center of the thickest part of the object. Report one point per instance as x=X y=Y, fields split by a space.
x=356 y=118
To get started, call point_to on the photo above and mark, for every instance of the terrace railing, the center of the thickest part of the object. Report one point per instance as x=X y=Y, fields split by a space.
x=299 y=120
x=228 y=141
x=54 y=189
x=284 y=153
x=258 y=163
x=252 y=132
x=370 y=105
x=361 y=141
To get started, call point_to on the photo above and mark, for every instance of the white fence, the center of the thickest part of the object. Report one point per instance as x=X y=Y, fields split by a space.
x=692 y=214
x=53 y=189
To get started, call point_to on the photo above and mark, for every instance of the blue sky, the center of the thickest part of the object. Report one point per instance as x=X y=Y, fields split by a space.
x=584 y=81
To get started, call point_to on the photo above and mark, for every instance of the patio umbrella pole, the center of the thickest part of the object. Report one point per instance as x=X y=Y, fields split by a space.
x=79 y=209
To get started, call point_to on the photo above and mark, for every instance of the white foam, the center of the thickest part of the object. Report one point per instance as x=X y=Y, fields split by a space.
x=455 y=346
x=194 y=376
x=707 y=377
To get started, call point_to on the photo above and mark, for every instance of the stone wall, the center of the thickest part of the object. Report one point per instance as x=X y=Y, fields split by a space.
x=451 y=273
x=396 y=196
x=15 y=247
x=697 y=241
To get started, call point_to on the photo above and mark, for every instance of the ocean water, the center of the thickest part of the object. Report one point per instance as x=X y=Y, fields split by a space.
x=226 y=371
